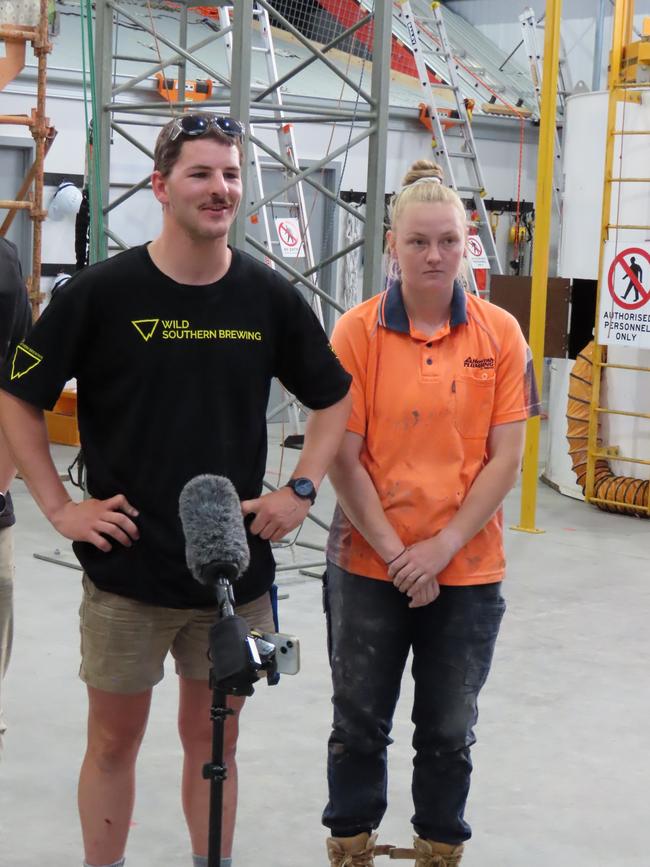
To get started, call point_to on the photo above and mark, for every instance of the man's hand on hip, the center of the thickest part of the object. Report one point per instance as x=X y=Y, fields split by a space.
x=93 y=520
x=276 y=514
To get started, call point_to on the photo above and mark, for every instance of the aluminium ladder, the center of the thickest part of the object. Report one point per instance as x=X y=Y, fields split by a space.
x=287 y=147
x=463 y=155
x=298 y=207
x=528 y=24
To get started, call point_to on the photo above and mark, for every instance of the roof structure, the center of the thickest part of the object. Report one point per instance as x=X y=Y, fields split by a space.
x=479 y=70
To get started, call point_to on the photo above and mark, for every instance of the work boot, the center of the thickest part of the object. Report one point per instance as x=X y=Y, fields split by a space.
x=428 y=853
x=356 y=851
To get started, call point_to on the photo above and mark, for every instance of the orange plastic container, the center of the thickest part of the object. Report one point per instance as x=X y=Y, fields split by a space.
x=62 y=420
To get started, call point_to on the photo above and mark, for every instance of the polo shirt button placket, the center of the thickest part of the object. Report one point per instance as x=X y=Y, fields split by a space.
x=428 y=360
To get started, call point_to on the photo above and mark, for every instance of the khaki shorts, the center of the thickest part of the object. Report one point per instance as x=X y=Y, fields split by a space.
x=124 y=642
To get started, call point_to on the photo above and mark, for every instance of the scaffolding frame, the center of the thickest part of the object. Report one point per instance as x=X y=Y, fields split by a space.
x=244 y=102
x=255 y=106
x=43 y=135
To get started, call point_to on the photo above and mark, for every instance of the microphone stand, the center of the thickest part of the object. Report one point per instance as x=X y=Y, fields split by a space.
x=229 y=632
x=216 y=771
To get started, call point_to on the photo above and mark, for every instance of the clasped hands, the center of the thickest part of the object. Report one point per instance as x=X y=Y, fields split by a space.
x=415 y=571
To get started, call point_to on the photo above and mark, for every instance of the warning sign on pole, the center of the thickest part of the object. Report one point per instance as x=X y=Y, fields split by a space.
x=624 y=315
x=288 y=229
x=476 y=253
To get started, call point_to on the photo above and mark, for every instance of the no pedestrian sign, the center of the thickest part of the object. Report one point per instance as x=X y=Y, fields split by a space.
x=476 y=253
x=288 y=229
x=624 y=315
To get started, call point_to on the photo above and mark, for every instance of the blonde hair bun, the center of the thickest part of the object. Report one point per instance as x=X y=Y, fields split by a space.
x=422 y=170
x=423 y=183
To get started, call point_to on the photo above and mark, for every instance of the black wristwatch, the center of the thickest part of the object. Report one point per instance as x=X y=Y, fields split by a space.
x=3 y=502
x=303 y=488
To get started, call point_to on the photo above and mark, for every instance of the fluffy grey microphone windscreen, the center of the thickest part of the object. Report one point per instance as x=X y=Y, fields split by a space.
x=213 y=526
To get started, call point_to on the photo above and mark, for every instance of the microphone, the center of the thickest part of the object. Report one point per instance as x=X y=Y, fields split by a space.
x=215 y=539
x=216 y=551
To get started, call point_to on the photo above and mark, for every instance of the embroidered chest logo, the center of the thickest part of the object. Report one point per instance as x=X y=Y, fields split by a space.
x=481 y=363
x=25 y=359
x=181 y=329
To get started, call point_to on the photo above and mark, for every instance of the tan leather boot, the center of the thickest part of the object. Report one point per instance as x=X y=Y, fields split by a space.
x=428 y=853
x=356 y=851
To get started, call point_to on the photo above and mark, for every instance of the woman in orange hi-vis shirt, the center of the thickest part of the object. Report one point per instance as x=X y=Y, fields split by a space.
x=442 y=386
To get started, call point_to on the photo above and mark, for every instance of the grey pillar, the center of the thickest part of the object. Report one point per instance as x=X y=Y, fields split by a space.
x=101 y=128
x=182 y=66
x=240 y=96
x=377 y=149
x=598 y=46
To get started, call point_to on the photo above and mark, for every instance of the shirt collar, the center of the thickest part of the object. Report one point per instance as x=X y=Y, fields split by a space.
x=392 y=312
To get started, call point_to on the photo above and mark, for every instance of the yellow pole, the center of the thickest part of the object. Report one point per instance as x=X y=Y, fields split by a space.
x=543 y=202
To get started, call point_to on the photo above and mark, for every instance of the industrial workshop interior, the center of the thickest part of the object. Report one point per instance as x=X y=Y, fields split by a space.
x=537 y=118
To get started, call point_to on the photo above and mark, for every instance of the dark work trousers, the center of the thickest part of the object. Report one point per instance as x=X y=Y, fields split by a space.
x=370 y=632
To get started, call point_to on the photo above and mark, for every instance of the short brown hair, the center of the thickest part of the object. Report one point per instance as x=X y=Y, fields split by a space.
x=168 y=150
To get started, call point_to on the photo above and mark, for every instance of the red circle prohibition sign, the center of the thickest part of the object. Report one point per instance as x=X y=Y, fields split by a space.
x=620 y=260
x=475 y=247
x=287 y=235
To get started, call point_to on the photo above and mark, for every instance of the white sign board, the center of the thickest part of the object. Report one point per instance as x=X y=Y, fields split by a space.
x=476 y=253
x=624 y=314
x=288 y=229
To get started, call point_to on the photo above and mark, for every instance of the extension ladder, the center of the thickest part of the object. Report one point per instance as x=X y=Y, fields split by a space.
x=287 y=206
x=463 y=156
x=528 y=24
x=287 y=146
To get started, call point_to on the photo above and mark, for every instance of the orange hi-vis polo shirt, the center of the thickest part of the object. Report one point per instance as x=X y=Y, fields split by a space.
x=424 y=406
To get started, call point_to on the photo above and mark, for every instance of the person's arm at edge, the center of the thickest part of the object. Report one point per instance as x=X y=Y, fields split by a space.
x=422 y=562
x=281 y=511
x=360 y=501
x=25 y=434
x=7 y=468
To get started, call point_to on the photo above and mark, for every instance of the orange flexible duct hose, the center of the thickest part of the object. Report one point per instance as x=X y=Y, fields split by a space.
x=630 y=495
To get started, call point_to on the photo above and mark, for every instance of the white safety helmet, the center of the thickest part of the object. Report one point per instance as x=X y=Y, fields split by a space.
x=65 y=202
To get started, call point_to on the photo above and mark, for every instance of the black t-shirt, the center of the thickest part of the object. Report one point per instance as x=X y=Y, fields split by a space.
x=173 y=381
x=15 y=319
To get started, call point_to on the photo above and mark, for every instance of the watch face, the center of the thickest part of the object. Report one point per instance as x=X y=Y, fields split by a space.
x=3 y=502
x=303 y=487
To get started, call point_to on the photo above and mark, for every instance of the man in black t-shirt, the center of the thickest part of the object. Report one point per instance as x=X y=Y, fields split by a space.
x=174 y=345
x=15 y=318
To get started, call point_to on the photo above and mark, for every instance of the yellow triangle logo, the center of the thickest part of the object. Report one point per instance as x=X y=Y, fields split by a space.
x=145 y=327
x=24 y=360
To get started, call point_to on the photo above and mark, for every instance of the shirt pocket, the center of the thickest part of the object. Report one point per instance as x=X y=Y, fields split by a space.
x=473 y=402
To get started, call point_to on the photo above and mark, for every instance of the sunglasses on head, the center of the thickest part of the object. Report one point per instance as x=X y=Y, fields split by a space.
x=198 y=124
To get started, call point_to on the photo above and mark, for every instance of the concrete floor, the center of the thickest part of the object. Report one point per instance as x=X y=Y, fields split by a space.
x=561 y=764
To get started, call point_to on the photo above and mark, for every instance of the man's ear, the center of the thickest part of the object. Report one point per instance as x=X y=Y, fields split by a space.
x=159 y=187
